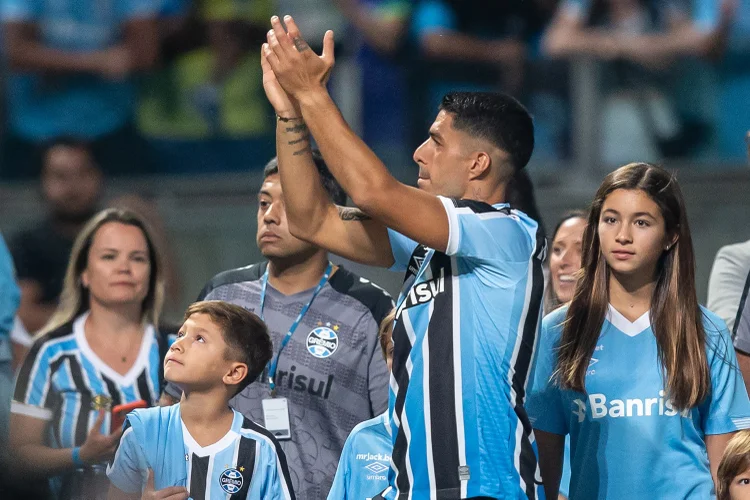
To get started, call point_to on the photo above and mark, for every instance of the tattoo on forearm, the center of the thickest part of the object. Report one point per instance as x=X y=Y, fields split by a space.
x=298 y=141
x=351 y=213
x=296 y=129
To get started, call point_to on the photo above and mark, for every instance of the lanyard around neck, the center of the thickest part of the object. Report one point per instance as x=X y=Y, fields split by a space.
x=288 y=336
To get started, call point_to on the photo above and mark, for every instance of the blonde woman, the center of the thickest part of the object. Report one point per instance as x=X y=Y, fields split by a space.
x=99 y=350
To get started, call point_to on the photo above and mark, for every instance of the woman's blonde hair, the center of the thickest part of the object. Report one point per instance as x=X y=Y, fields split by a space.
x=735 y=461
x=385 y=334
x=74 y=299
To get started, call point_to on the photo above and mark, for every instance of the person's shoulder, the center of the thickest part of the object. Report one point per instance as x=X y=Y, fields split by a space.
x=552 y=323
x=55 y=339
x=713 y=325
x=260 y=434
x=246 y=274
x=375 y=425
x=736 y=252
x=148 y=421
x=364 y=291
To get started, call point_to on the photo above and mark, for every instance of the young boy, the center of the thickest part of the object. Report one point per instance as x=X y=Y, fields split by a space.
x=201 y=448
x=366 y=457
x=733 y=476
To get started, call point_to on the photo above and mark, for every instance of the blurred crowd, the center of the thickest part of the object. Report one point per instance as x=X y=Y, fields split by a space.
x=174 y=86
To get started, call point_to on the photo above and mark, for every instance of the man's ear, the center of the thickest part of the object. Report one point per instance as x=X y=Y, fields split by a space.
x=480 y=166
x=236 y=373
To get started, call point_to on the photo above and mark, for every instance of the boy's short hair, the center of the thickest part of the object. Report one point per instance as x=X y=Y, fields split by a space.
x=735 y=461
x=385 y=334
x=245 y=334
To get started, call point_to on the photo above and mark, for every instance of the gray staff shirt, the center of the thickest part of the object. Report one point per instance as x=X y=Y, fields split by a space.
x=330 y=386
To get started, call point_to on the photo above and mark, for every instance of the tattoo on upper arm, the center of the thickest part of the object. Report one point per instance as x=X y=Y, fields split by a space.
x=352 y=214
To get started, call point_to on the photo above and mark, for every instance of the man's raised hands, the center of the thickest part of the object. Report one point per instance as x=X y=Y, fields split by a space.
x=297 y=68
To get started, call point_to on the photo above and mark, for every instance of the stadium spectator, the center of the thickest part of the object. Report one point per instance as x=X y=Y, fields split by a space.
x=73 y=67
x=204 y=109
x=366 y=456
x=730 y=19
x=150 y=214
x=727 y=281
x=643 y=39
x=9 y=299
x=636 y=310
x=727 y=294
x=564 y=259
x=71 y=186
x=220 y=349
x=457 y=242
x=470 y=45
x=382 y=57
x=323 y=321
x=564 y=268
x=98 y=350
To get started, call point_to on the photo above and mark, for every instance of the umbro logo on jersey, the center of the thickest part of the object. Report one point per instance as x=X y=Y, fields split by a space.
x=417 y=259
x=376 y=467
x=600 y=407
x=423 y=292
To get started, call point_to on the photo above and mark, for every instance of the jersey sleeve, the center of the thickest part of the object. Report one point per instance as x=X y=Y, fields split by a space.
x=728 y=406
x=477 y=230
x=402 y=248
x=128 y=470
x=276 y=483
x=341 y=479
x=544 y=400
x=34 y=393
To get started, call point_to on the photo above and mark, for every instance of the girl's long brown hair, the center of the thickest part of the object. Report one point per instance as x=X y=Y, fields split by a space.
x=676 y=317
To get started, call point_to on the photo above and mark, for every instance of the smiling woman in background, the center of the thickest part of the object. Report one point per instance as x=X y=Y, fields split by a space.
x=565 y=259
x=99 y=350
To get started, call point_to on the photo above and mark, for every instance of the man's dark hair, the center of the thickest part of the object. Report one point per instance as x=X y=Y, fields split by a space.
x=330 y=184
x=495 y=117
x=245 y=334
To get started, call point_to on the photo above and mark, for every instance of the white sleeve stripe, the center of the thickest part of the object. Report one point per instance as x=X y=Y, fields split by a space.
x=31 y=411
x=454 y=232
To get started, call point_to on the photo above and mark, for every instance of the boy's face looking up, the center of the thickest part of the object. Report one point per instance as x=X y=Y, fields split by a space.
x=198 y=358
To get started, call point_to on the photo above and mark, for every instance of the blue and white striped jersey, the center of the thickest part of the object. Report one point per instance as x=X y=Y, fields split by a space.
x=363 y=469
x=247 y=463
x=64 y=382
x=466 y=328
x=626 y=438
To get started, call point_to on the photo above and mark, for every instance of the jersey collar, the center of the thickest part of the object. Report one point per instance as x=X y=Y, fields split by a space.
x=629 y=328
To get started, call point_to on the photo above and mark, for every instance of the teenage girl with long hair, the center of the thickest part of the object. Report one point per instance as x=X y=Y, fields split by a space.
x=643 y=379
